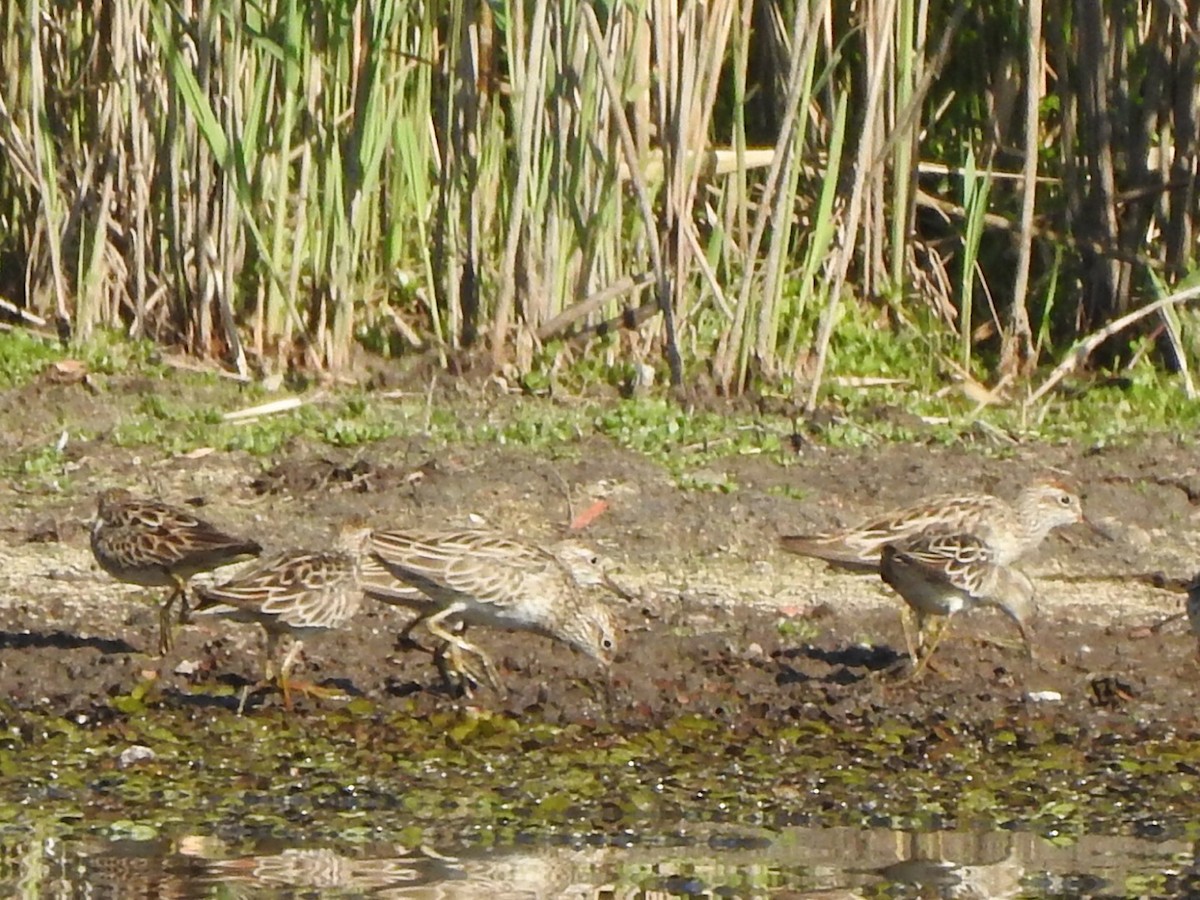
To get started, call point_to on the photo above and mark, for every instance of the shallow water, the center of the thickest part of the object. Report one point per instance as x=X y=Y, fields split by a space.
x=794 y=862
x=465 y=803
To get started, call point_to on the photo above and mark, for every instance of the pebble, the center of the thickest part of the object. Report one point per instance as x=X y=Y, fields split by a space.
x=1044 y=696
x=133 y=754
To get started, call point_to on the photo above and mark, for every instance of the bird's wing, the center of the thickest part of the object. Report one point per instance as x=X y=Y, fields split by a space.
x=294 y=586
x=960 y=560
x=455 y=565
x=861 y=546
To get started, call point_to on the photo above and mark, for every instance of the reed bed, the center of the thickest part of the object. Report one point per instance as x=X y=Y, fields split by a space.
x=725 y=188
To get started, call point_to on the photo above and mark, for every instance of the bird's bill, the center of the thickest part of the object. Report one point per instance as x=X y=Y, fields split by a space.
x=1025 y=636
x=617 y=588
x=1097 y=528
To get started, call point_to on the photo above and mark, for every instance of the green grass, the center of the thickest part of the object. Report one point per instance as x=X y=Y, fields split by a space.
x=39 y=463
x=24 y=356
x=791 y=491
x=176 y=412
x=798 y=630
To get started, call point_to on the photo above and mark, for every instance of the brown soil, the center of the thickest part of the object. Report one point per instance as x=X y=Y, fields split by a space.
x=724 y=623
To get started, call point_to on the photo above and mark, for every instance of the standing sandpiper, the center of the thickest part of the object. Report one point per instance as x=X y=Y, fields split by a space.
x=300 y=593
x=147 y=542
x=1193 y=610
x=944 y=574
x=1009 y=531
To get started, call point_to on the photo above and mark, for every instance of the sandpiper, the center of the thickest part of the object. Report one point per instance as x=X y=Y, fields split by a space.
x=475 y=577
x=299 y=593
x=944 y=574
x=1010 y=531
x=1193 y=610
x=147 y=542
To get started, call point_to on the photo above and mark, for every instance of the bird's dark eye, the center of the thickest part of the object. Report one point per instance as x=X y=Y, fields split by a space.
x=607 y=643
x=1064 y=499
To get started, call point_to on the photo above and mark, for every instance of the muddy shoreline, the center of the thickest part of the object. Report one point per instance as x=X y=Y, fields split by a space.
x=736 y=657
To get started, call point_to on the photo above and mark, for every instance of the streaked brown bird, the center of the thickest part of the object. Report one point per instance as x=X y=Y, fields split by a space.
x=476 y=577
x=1193 y=610
x=380 y=584
x=299 y=593
x=1010 y=531
x=945 y=574
x=147 y=542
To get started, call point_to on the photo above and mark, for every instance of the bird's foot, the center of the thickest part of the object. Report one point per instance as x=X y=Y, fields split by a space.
x=288 y=685
x=918 y=671
x=465 y=667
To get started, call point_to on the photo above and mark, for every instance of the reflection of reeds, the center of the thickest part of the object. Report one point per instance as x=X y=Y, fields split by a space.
x=280 y=181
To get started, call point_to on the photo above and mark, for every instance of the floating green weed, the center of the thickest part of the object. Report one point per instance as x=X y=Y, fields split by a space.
x=495 y=774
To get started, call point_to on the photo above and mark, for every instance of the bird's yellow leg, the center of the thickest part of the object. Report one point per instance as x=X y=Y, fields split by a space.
x=181 y=592
x=287 y=685
x=924 y=663
x=911 y=644
x=461 y=646
x=456 y=667
x=166 y=635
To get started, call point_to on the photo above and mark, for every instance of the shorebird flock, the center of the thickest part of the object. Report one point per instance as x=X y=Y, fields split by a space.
x=947 y=555
x=451 y=579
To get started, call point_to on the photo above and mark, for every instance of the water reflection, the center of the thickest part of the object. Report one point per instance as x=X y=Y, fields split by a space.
x=796 y=862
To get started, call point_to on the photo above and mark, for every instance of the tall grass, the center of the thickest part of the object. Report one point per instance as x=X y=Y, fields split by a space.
x=705 y=184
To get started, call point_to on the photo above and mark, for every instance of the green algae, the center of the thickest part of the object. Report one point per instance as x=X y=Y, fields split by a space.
x=490 y=777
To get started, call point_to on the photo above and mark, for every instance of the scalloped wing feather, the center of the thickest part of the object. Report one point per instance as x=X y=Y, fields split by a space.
x=960 y=561
x=861 y=546
x=301 y=589
x=453 y=566
x=378 y=582
x=148 y=533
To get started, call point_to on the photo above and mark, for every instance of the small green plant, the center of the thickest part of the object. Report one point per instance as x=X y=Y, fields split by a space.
x=40 y=463
x=706 y=480
x=791 y=491
x=23 y=356
x=350 y=433
x=798 y=629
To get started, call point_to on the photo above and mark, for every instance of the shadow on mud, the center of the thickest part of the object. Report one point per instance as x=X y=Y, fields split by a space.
x=62 y=640
x=848 y=664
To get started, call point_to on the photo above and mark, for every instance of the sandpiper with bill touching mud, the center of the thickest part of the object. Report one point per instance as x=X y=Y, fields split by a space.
x=944 y=574
x=475 y=577
x=147 y=542
x=1009 y=531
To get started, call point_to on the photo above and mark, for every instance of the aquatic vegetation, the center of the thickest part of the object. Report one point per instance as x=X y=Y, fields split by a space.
x=491 y=777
